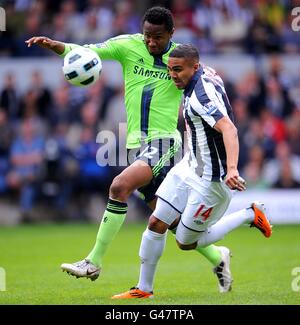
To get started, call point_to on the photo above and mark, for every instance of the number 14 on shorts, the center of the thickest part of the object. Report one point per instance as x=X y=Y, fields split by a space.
x=204 y=213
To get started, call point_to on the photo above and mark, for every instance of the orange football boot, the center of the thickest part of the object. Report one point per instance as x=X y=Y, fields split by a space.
x=261 y=222
x=133 y=293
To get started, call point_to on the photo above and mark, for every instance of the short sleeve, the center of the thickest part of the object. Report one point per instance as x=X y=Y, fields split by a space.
x=210 y=110
x=113 y=49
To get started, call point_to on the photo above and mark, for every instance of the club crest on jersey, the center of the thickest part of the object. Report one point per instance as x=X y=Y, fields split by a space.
x=210 y=107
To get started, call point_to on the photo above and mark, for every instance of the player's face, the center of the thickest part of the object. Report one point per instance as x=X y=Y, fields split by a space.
x=156 y=38
x=181 y=71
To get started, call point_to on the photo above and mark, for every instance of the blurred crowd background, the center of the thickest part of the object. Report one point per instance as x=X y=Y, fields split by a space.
x=215 y=26
x=48 y=135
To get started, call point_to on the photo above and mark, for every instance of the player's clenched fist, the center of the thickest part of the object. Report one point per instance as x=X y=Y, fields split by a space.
x=235 y=182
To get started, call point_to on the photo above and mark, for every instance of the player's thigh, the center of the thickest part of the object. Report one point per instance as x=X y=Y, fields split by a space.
x=173 y=190
x=134 y=176
x=187 y=236
x=172 y=197
x=165 y=212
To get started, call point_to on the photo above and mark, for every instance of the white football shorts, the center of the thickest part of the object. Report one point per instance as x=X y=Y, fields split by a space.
x=201 y=203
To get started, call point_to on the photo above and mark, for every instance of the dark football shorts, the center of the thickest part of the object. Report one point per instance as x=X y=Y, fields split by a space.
x=161 y=155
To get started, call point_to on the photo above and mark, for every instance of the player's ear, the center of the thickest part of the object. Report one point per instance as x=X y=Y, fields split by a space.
x=172 y=32
x=196 y=66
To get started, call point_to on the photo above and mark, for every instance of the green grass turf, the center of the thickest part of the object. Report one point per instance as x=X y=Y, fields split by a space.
x=31 y=257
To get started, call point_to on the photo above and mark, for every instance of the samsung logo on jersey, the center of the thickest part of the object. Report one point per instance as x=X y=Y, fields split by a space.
x=150 y=73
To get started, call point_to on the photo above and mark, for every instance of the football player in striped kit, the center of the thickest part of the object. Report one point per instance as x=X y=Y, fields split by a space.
x=198 y=190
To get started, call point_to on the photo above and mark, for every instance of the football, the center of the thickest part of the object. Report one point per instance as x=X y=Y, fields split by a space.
x=82 y=67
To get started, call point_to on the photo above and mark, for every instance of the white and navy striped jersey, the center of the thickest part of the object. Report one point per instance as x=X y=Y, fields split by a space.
x=205 y=102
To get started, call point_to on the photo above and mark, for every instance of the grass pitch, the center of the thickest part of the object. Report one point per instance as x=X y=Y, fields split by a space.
x=31 y=256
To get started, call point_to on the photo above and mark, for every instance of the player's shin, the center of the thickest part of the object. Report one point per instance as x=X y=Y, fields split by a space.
x=111 y=223
x=151 y=249
x=210 y=252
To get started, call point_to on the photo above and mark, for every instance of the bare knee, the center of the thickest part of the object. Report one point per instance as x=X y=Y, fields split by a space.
x=119 y=189
x=157 y=225
x=186 y=247
x=174 y=224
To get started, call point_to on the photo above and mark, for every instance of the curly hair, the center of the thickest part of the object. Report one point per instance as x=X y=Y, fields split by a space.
x=159 y=16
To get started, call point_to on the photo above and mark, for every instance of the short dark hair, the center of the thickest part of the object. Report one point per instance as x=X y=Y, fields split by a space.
x=187 y=51
x=159 y=16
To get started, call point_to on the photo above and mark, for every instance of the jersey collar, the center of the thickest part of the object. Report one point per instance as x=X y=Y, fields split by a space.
x=167 y=48
x=191 y=85
x=158 y=59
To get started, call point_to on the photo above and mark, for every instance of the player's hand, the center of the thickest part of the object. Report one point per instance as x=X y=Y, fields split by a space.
x=42 y=41
x=234 y=181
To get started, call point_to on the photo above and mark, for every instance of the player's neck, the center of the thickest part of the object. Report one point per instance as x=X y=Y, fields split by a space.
x=164 y=51
x=191 y=84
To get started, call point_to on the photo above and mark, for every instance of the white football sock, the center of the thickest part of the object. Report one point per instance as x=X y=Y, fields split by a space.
x=151 y=249
x=225 y=225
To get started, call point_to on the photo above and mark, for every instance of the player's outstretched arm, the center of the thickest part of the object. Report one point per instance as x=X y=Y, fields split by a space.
x=231 y=143
x=48 y=43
